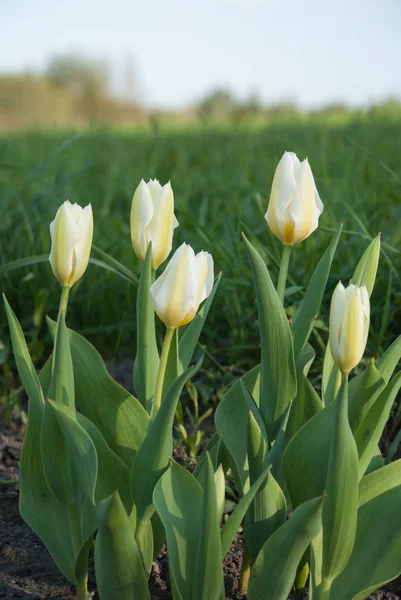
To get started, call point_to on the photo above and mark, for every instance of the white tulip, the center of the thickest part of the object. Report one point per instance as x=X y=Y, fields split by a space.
x=185 y=283
x=294 y=206
x=71 y=235
x=153 y=220
x=349 y=325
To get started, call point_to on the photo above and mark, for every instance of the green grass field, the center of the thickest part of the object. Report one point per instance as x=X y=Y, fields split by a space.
x=221 y=180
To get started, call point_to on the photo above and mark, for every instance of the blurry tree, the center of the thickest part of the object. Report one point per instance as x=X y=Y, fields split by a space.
x=218 y=104
x=84 y=78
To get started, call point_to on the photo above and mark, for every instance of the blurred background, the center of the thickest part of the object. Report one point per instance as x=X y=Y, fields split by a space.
x=128 y=63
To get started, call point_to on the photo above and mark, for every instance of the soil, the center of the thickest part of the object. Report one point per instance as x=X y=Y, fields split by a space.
x=27 y=571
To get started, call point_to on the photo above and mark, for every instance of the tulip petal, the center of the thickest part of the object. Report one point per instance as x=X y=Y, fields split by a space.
x=141 y=216
x=174 y=291
x=303 y=208
x=83 y=246
x=336 y=318
x=65 y=236
x=160 y=228
x=351 y=344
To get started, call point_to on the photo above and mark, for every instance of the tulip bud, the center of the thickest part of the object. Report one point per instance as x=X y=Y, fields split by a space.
x=185 y=283
x=71 y=234
x=349 y=325
x=294 y=206
x=220 y=490
x=153 y=220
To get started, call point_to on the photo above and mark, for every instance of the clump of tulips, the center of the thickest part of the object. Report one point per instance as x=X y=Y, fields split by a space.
x=317 y=501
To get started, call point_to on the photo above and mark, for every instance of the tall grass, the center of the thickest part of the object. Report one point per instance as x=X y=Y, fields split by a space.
x=221 y=180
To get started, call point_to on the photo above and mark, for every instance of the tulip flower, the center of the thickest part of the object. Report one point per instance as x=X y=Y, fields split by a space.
x=71 y=235
x=349 y=325
x=294 y=206
x=185 y=283
x=153 y=220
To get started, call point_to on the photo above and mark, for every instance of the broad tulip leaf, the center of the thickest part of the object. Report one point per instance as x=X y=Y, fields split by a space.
x=278 y=381
x=341 y=506
x=118 y=563
x=275 y=568
x=331 y=377
x=390 y=359
x=212 y=451
x=306 y=403
x=308 y=310
x=269 y=509
x=365 y=272
x=378 y=531
x=83 y=464
x=40 y=510
x=368 y=434
x=61 y=387
x=116 y=413
x=81 y=561
x=113 y=474
x=56 y=459
x=156 y=450
x=230 y=416
x=306 y=457
x=178 y=501
x=213 y=448
x=147 y=355
x=190 y=337
x=208 y=581
x=379 y=482
x=234 y=521
x=363 y=392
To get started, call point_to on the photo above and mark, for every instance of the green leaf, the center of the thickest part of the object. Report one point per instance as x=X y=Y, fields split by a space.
x=233 y=523
x=113 y=473
x=118 y=563
x=208 y=582
x=115 y=265
x=230 y=416
x=278 y=381
x=307 y=455
x=331 y=377
x=368 y=434
x=390 y=359
x=81 y=561
x=178 y=501
x=376 y=557
x=213 y=448
x=275 y=568
x=364 y=389
x=341 y=506
x=82 y=464
x=269 y=508
x=308 y=310
x=156 y=450
x=306 y=403
x=379 y=482
x=61 y=387
x=116 y=413
x=365 y=272
x=147 y=355
x=189 y=339
x=40 y=510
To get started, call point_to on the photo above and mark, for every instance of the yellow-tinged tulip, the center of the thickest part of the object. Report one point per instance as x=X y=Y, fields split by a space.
x=153 y=220
x=185 y=283
x=349 y=325
x=71 y=234
x=294 y=206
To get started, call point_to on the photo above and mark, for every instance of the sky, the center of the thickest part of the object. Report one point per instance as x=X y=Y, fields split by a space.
x=314 y=52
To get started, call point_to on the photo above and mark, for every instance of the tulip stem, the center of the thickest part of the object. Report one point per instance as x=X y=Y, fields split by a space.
x=162 y=371
x=282 y=277
x=65 y=291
